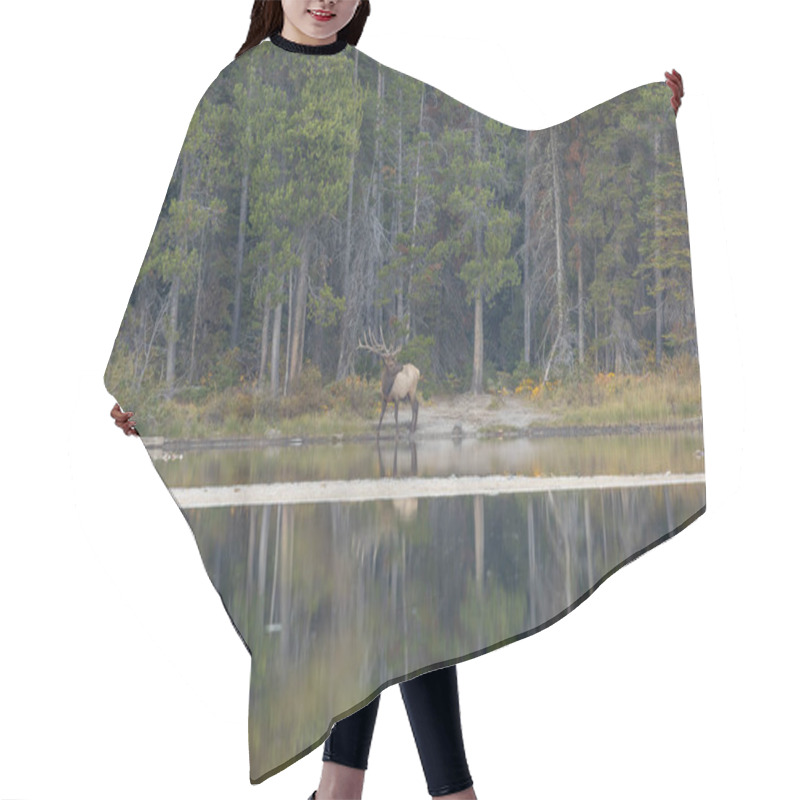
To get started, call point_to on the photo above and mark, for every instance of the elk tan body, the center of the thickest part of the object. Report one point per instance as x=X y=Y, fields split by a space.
x=398 y=381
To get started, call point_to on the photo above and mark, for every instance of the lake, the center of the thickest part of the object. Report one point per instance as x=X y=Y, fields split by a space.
x=440 y=557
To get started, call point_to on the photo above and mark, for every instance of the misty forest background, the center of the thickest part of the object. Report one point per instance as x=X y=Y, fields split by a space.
x=315 y=198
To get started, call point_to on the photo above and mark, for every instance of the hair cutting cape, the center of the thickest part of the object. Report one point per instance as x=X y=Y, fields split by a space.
x=535 y=289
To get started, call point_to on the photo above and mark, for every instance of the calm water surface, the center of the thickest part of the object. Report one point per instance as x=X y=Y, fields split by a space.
x=336 y=600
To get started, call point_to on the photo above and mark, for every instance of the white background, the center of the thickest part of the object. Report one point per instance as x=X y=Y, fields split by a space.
x=121 y=675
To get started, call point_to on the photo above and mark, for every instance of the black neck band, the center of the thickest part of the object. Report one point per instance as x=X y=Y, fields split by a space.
x=310 y=49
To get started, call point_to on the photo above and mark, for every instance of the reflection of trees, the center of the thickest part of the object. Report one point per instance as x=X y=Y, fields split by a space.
x=336 y=599
x=373 y=570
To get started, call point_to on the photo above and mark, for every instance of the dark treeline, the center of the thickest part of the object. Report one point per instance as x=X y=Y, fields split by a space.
x=317 y=197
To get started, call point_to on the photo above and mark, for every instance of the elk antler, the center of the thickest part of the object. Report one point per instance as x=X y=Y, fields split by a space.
x=379 y=348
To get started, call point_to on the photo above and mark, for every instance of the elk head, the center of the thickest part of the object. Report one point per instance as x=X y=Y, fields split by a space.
x=389 y=357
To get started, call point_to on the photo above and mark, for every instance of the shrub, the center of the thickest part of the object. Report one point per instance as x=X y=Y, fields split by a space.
x=454 y=383
x=243 y=405
x=307 y=393
x=525 y=374
x=353 y=393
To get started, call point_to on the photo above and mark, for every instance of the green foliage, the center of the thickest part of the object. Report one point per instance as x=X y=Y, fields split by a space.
x=228 y=371
x=325 y=308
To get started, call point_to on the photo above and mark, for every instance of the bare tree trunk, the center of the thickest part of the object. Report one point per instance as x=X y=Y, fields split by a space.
x=527 y=287
x=197 y=296
x=301 y=320
x=659 y=294
x=274 y=380
x=596 y=349
x=262 y=364
x=581 y=335
x=290 y=307
x=319 y=341
x=148 y=347
x=477 y=353
x=375 y=261
x=349 y=333
x=413 y=266
x=175 y=289
x=237 y=292
x=398 y=226
x=172 y=333
x=477 y=358
x=561 y=302
x=594 y=313
x=318 y=329
x=379 y=178
x=299 y=315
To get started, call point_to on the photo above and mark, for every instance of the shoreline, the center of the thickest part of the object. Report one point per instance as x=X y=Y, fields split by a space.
x=543 y=432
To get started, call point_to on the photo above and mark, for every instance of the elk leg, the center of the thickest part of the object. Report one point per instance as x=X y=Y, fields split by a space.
x=396 y=424
x=383 y=411
x=414 y=407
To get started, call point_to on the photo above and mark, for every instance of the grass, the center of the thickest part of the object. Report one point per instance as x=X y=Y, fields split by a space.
x=326 y=423
x=193 y=421
x=346 y=408
x=669 y=395
x=352 y=406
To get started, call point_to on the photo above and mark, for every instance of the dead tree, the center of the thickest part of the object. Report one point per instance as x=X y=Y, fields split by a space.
x=398 y=381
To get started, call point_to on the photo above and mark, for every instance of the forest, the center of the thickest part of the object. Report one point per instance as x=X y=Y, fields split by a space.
x=317 y=199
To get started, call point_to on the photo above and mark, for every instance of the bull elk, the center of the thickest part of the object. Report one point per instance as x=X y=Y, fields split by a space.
x=398 y=381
